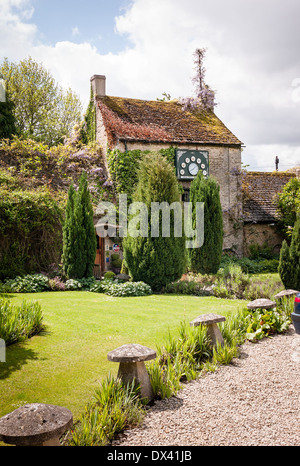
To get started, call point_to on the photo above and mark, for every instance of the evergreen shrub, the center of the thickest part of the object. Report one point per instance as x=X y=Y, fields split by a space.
x=207 y=258
x=155 y=260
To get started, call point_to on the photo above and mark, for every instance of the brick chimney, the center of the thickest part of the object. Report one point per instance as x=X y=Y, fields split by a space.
x=98 y=85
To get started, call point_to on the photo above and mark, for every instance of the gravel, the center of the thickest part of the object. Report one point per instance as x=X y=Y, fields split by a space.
x=254 y=401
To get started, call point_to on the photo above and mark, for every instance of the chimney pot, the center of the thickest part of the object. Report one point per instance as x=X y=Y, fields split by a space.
x=98 y=85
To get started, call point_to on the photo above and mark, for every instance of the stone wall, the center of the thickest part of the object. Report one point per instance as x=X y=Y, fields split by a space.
x=262 y=234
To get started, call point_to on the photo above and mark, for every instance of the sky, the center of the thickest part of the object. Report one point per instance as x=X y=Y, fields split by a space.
x=145 y=48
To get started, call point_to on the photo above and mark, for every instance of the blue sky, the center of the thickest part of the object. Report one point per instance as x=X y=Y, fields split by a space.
x=145 y=48
x=78 y=21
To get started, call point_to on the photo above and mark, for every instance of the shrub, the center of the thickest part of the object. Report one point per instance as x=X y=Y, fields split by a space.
x=56 y=284
x=30 y=230
x=188 y=287
x=116 y=261
x=265 y=322
x=262 y=287
x=231 y=282
x=109 y=275
x=258 y=251
x=116 y=406
x=207 y=258
x=122 y=289
x=83 y=284
x=28 y=284
x=18 y=322
x=155 y=260
x=129 y=289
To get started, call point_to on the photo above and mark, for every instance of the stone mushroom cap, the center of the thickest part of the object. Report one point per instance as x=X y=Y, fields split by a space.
x=131 y=353
x=285 y=293
x=34 y=424
x=207 y=319
x=261 y=304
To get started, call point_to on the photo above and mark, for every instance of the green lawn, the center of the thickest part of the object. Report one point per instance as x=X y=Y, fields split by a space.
x=64 y=365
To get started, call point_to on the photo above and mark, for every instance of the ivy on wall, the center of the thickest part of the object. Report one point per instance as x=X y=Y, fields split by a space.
x=88 y=128
x=123 y=167
x=30 y=229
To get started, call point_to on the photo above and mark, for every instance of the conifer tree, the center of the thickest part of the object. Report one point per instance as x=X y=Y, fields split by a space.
x=155 y=260
x=79 y=237
x=295 y=255
x=207 y=258
x=86 y=235
x=69 y=235
x=284 y=268
x=289 y=261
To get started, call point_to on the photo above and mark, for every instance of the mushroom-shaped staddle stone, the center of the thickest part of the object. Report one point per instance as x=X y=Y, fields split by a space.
x=213 y=331
x=131 y=353
x=285 y=293
x=131 y=358
x=261 y=304
x=35 y=424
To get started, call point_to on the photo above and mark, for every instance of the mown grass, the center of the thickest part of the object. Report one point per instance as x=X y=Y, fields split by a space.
x=66 y=363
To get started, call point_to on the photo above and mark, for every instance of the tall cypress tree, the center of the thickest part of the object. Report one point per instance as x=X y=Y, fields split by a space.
x=289 y=261
x=79 y=237
x=86 y=236
x=285 y=267
x=69 y=235
x=207 y=258
x=155 y=260
x=295 y=254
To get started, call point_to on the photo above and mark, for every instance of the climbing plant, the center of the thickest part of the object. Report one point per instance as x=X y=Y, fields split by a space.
x=88 y=127
x=123 y=167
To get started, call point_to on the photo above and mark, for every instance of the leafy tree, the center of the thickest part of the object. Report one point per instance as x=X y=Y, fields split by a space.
x=207 y=258
x=155 y=260
x=289 y=262
x=79 y=237
x=42 y=109
x=288 y=206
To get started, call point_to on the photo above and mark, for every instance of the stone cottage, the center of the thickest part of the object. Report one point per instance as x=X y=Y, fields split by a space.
x=201 y=140
x=260 y=193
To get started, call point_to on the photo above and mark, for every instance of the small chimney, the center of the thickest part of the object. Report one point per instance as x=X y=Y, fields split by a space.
x=98 y=85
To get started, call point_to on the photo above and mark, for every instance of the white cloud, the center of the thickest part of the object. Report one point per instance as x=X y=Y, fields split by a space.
x=252 y=62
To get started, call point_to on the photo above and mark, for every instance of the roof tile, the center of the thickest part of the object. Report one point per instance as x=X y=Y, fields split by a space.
x=161 y=121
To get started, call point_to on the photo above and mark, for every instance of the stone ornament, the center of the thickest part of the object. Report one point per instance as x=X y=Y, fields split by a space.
x=286 y=293
x=261 y=304
x=213 y=331
x=132 y=359
x=35 y=425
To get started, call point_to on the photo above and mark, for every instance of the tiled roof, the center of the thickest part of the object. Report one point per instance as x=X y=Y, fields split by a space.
x=260 y=190
x=157 y=121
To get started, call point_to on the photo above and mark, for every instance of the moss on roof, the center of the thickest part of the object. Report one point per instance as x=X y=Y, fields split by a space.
x=161 y=121
x=260 y=191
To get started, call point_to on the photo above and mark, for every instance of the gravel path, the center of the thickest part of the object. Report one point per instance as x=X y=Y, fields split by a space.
x=254 y=401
